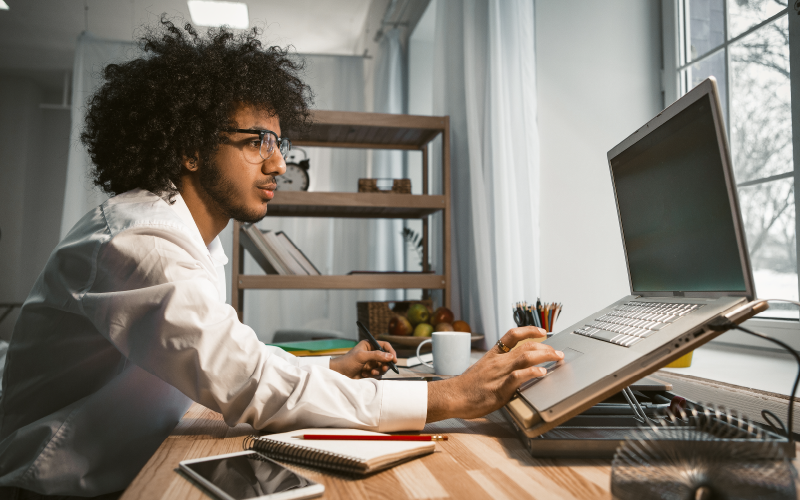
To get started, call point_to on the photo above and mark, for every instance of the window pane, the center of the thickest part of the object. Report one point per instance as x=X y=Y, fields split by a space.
x=744 y=14
x=768 y=213
x=705 y=28
x=761 y=114
x=713 y=65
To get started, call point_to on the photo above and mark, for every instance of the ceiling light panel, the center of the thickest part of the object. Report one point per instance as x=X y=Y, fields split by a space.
x=210 y=13
x=3 y=5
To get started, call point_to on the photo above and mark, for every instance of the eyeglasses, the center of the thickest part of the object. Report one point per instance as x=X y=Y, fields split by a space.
x=264 y=147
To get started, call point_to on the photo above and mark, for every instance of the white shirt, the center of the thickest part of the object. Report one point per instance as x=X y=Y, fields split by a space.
x=125 y=327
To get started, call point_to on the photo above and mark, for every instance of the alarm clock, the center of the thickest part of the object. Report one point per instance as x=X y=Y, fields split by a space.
x=296 y=176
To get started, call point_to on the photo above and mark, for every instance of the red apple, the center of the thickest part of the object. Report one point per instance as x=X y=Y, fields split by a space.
x=400 y=326
x=442 y=315
x=444 y=327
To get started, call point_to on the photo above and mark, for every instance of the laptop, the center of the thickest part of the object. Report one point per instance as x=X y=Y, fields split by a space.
x=687 y=262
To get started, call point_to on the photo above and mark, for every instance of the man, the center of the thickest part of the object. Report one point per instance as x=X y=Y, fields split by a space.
x=127 y=324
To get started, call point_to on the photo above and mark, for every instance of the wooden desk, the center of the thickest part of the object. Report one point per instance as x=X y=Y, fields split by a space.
x=482 y=459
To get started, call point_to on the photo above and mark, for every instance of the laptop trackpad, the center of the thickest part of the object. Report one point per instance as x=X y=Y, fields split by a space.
x=550 y=366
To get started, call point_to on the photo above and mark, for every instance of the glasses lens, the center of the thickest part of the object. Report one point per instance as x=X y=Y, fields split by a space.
x=252 y=150
x=267 y=146
x=286 y=146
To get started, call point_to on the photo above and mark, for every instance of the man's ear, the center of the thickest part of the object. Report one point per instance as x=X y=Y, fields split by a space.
x=191 y=163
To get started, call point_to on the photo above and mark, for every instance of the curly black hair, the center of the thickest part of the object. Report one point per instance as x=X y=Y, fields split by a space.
x=174 y=101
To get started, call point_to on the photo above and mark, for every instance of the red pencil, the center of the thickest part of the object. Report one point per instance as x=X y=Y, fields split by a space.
x=342 y=437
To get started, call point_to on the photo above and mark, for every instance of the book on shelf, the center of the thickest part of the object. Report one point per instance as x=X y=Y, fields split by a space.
x=276 y=253
x=286 y=258
x=353 y=457
x=298 y=254
x=255 y=243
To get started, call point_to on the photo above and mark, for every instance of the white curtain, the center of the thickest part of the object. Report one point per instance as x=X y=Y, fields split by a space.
x=335 y=246
x=389 y=97
x=484 y=78
x=91 y=55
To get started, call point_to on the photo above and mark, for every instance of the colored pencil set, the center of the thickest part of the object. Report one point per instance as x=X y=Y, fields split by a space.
x=539 y=314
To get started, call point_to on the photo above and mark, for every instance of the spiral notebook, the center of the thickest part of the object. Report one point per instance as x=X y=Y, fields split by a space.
x=352 y=457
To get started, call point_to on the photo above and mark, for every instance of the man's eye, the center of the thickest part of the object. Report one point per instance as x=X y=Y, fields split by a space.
x=254 y=144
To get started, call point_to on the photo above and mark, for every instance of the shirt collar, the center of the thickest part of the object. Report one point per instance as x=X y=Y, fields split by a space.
x=215 y=250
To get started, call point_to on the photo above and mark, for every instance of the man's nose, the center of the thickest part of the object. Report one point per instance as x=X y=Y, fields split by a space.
x=275 y=164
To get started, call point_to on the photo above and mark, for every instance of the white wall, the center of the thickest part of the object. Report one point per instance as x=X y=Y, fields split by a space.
x=33 y=160
x=598 y=76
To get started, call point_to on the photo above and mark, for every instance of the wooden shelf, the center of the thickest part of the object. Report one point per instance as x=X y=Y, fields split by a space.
x=368 y=130
x=376 y=281
x=356 y=205
x=340 y=129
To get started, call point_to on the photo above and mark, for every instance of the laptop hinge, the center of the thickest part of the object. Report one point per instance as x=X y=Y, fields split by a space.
x=678 y=294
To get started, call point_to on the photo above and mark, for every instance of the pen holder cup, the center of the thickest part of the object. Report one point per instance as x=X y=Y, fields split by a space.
x=684 y=361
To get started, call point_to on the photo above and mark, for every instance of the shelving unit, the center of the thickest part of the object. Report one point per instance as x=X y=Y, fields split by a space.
x=341 y=129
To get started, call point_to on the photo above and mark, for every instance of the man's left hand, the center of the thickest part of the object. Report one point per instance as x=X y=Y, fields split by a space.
x=363 y=362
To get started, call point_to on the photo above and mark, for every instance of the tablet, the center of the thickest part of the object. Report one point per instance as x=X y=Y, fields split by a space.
x=248 y=475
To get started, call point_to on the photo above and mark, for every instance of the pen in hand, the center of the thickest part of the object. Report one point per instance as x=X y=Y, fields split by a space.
x=375 y=345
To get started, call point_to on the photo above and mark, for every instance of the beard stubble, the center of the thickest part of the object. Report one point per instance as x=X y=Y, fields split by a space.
x=219 y=190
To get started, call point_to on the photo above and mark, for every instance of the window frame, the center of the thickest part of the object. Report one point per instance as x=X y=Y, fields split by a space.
x=673 y=49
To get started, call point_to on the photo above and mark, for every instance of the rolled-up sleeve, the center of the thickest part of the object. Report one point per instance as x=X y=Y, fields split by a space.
x=154 y=298
x=405 y=405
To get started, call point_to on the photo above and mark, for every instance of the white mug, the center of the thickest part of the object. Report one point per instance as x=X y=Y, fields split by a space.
x=450 y=352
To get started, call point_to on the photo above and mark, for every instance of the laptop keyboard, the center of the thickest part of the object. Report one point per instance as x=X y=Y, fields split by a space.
x=629 y=323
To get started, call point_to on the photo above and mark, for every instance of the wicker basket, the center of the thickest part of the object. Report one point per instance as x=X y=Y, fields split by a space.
x=376 y=315
x=399 y=186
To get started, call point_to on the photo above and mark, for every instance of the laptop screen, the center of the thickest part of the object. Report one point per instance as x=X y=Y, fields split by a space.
x=674 y=208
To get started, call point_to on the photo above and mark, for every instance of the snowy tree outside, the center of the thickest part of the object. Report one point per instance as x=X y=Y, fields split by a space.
x=744 y=44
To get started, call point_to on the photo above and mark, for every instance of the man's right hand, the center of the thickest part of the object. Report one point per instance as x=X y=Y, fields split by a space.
x=490 y=383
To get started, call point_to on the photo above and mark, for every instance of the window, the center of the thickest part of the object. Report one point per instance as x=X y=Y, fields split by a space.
x=744 y=44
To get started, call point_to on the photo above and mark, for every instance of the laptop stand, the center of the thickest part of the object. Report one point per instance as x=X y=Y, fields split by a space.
x=600 y=430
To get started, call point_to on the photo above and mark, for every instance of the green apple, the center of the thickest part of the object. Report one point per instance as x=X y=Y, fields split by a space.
x=418 y=313
x=423 y=330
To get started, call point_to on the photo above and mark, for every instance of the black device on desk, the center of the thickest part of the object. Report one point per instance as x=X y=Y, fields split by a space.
x=687 y=260
x=248 y=475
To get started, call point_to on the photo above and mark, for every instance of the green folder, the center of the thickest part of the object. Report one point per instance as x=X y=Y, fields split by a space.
x=316 y=345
